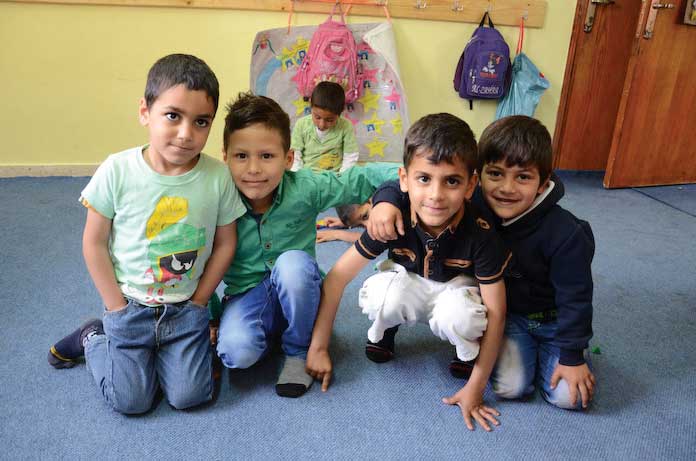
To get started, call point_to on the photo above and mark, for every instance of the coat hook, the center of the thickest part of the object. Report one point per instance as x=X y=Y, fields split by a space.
x=421 y=5
x=456 y=6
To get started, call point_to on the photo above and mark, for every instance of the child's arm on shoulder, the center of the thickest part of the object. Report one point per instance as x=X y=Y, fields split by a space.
x=95 y=249
x=470 y=397
x=224 y=246
x=345 y=270
x=385 y=220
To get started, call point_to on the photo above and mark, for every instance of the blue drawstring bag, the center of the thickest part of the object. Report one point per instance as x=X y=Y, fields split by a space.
x=527 y=86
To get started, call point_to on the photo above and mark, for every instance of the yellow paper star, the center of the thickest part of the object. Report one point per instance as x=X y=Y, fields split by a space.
x=398 y=124
x=369 y=100
x=375 y=122
x=376 y=147
x=300 y=105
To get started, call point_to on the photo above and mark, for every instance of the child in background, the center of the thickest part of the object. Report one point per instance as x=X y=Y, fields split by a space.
x=323 y=140
x=349 y=216
x=433 y=269
x=549 y=289
x=273 y=285
x=159 y=235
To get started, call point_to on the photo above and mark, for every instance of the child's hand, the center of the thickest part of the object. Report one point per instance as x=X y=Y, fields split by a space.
x=326 y=236
x=384 y=223
x=319 y=367
x=470 y=402
x=578 y=378
x=333 y=221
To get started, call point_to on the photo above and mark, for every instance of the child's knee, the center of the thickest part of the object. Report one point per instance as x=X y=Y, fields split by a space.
x=239 y=351
x=510 y=386
x=560 y=397
x=511 y=378
x=457 y=317
x=295 y=264
x=188 y=398
x=131 y=403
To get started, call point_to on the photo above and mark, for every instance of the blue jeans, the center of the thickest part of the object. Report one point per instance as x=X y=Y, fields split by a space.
x=146 y=347
x=527 y=353
x=286 y=301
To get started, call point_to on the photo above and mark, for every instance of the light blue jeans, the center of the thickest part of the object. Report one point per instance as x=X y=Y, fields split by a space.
x=149 y=347
x=285 y=302
x=527 y=353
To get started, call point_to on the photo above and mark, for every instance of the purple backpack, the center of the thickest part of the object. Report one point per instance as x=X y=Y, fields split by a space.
x=333 y=57
x=483 y=71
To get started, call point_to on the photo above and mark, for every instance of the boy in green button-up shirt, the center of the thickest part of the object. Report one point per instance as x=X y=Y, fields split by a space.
x=273 y=286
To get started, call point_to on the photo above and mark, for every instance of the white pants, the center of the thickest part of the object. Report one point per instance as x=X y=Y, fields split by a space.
x=454 y=309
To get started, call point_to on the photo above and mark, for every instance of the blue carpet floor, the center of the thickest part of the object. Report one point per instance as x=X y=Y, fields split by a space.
x=645 y=327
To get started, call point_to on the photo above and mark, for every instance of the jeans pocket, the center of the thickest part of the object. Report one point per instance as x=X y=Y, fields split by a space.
x=118 y=312
x=193 y=305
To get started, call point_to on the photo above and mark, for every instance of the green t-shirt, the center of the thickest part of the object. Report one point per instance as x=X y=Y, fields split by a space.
x=290 y=222
x=325 y=153
x=162 y=227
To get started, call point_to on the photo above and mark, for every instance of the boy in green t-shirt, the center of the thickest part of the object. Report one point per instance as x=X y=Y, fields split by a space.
x=323 y=140
x=159 y=235
x=274 y=283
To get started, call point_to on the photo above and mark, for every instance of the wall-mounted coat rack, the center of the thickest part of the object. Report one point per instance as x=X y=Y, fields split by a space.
x=504 y=12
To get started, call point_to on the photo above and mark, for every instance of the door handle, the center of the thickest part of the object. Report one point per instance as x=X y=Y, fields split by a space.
x=591 y=11
x=652 y=17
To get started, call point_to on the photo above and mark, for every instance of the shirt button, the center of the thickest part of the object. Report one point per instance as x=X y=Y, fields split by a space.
x=267 y=245
x=432 y=244
x=270 y=261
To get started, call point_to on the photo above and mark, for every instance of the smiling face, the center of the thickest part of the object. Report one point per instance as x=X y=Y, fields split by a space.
x=257 y=161
x=323 y=119
x=436 y=190
x=510 y=190
x=179 y=122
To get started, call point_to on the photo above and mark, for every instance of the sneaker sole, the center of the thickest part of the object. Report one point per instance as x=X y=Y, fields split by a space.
x=56 y=361
x=378 y=354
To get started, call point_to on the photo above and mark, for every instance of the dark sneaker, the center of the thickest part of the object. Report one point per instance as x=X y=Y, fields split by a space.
x=461 y=369
x=382 y=351
x=66 y=352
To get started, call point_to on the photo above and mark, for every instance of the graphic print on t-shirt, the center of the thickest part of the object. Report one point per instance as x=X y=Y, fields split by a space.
x=173 y=248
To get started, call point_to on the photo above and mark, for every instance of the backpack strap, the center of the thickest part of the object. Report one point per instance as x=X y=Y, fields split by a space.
x=520 y=37
x=483 y=20
x=333 y=11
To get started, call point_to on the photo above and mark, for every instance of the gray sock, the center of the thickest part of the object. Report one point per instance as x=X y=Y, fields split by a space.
x=293 y=380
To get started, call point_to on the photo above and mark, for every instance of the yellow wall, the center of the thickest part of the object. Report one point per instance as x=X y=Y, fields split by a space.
x=71 y=76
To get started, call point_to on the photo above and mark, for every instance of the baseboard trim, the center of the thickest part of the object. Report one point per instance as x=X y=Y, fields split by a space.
x=13 y=171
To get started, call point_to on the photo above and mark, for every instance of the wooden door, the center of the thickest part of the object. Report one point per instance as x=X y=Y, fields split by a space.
x=654 y=138
x=594 y=78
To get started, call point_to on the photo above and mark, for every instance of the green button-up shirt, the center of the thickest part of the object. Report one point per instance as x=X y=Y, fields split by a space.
x=290 y=222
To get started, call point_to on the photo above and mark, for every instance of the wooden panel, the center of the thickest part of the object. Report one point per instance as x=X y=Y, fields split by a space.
x=653 y=140
x=504 y=12
x=597 y=63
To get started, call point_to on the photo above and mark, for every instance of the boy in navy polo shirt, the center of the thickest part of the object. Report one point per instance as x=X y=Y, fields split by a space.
x=434 y=268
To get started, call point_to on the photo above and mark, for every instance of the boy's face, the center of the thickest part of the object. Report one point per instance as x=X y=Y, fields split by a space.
x=437 y=191
x=257 y=161
x=360 y=216
x=510 y=190
x=323 y=119
x=179 y=123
